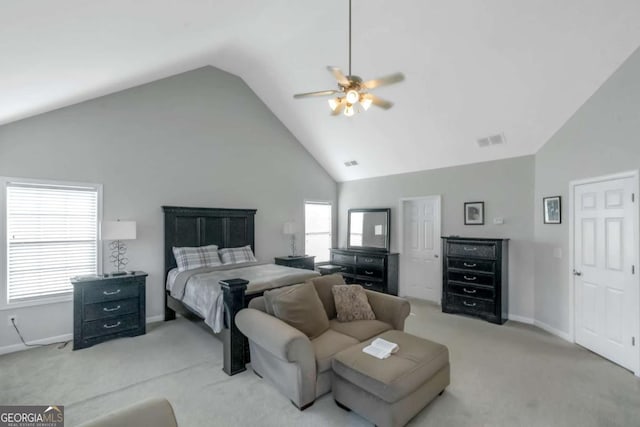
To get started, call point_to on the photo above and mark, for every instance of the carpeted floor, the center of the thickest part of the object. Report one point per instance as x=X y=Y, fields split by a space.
x=510 y=375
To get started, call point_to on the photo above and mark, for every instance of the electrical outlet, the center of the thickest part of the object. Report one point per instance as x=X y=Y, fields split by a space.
x=11 y=319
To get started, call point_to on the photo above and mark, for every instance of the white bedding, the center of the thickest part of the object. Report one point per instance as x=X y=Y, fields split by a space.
x=202 y=292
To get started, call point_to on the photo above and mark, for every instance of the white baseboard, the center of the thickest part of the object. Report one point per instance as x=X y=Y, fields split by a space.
x=19 y=347
x=60 y=338
x=521 y=319
x=553 y=331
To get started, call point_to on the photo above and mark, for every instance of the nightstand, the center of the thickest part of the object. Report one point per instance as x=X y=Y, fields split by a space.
x=107 y=307
x=302 y=261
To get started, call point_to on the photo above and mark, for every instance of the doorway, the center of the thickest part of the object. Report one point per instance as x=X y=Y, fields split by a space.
x=420 y=263
x=606 y=301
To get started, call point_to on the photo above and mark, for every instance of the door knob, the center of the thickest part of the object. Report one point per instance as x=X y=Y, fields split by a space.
x=577 y=273
x=436 y=256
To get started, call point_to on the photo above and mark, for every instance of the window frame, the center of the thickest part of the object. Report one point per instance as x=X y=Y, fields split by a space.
x=4 y=243
x=333 y=224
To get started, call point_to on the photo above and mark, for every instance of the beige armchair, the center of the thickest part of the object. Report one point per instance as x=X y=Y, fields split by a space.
x=156 y=412
x=300 y=366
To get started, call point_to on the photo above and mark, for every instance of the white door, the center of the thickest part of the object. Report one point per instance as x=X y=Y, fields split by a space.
x=420 y=265
x=606 y=291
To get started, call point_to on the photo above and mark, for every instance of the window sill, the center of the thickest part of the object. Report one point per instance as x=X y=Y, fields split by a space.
x=40 y=301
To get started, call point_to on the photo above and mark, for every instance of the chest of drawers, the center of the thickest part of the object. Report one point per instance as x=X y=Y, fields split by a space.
x=306 y=262
x=377 y=271
x=476 y=277
x=108 y=307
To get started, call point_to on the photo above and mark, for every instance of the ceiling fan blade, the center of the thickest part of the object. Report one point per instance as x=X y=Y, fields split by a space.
x=384 y=81
x=340 y=107
x=320 y=93
x=380 y=102
x=339 y=75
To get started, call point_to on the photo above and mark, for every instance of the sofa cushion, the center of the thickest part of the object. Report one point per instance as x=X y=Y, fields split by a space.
x=352 y=303
x=323 y=286
x=361 y=330
x=327 y=345
x=400 y=374
x=300 y=307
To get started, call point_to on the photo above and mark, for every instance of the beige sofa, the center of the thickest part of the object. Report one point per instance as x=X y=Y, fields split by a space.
x=299 y=366
x=156 y=412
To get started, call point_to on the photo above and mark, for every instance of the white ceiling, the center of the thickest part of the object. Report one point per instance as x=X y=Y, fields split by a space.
x=473 y=68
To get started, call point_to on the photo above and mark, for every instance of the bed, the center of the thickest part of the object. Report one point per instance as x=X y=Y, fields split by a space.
x=212 y=294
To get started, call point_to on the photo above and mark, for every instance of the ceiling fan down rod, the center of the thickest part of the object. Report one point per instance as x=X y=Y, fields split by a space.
x=349 y=38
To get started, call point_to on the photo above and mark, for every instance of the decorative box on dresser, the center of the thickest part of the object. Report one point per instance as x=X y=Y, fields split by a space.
x=373 y=270
x=476 y=277
x=107 y=307
x=306 y=262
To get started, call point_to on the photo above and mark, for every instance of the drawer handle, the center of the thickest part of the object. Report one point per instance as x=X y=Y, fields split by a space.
x=469 y=291
x=368 y=260
x=470 y=265
x=471 y=279
x=111 y=293
x=368 y=284
x=473 y=304
x=111 y=309
x=470 y=249
x=368 y=272
x=115 y=325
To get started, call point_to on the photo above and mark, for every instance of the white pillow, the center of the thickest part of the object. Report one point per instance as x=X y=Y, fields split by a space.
x=197 y=257
x=237 y=255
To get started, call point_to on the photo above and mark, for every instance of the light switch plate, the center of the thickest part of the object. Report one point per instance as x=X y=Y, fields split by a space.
x=498 y=220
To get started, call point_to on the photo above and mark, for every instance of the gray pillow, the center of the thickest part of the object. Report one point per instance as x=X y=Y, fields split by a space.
x=323 y=285
x=300 y=307
x=352 y=303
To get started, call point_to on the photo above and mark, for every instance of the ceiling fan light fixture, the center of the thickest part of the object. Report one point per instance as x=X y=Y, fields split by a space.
x=365 y=101
x=334 y=102
x=349 y=110
x=352 y=96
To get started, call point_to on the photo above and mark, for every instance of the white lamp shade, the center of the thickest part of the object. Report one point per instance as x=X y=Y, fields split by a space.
x=289 y=228
x=118 y=230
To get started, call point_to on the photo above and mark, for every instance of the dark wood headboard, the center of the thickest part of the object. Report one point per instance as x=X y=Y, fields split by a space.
x=227 y=228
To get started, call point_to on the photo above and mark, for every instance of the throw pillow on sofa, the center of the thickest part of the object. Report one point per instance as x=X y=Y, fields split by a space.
x=300 y=307
x=352 y=303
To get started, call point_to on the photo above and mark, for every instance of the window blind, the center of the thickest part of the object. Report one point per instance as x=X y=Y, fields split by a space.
x=52 y=235
x=317 y=225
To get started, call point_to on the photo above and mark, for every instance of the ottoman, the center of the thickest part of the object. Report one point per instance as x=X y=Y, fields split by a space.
x=391 y=391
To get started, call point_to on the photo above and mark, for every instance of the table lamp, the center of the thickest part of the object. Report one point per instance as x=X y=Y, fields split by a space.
x=117 y=231
x=289 y=229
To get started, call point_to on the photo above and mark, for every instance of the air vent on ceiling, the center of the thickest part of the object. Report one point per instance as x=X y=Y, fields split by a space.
x=491 y=140
x=351 y=163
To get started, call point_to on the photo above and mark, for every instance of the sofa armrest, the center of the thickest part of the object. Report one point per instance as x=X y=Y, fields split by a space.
x=275 y=336
x=388 y=308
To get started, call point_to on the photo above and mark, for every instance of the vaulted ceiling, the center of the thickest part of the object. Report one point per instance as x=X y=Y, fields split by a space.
x=473 y=67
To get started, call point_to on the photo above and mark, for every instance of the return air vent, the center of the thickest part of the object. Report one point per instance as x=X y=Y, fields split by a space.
x=496 y=139
x=351 y=163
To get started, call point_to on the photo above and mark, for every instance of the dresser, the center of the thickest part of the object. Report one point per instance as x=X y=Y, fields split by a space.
x=476 y=277
x=107 y=307
x=374 y=270
x=303 y=261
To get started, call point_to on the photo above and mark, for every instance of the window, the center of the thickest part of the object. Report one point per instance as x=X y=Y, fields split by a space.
x=317 y=230
x=52 y=235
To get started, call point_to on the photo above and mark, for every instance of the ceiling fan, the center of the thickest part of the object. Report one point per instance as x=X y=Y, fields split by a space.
x=352 y=90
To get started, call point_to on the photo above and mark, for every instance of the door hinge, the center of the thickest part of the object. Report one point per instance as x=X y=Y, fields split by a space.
x=633 y=269
x=633 y=197
x=633 y=341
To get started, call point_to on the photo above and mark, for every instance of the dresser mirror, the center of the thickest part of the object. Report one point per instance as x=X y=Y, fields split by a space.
x=369 y=229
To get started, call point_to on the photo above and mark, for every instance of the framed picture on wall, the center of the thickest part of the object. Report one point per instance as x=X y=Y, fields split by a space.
x=552 y=210
x=474 y=213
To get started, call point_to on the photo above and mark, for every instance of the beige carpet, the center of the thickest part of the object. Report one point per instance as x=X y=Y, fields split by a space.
x=510 y=375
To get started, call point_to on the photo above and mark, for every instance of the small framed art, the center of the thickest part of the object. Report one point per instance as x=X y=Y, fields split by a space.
x=474 y=213
x=552 y=210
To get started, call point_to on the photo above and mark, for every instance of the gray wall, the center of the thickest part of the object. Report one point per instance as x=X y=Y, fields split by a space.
x=201 y=138
x=603 y=137
x=506 y=187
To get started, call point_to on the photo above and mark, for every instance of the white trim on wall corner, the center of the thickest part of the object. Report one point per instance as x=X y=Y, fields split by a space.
x=553 y=331
x=521 y=319
x=153 y=319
